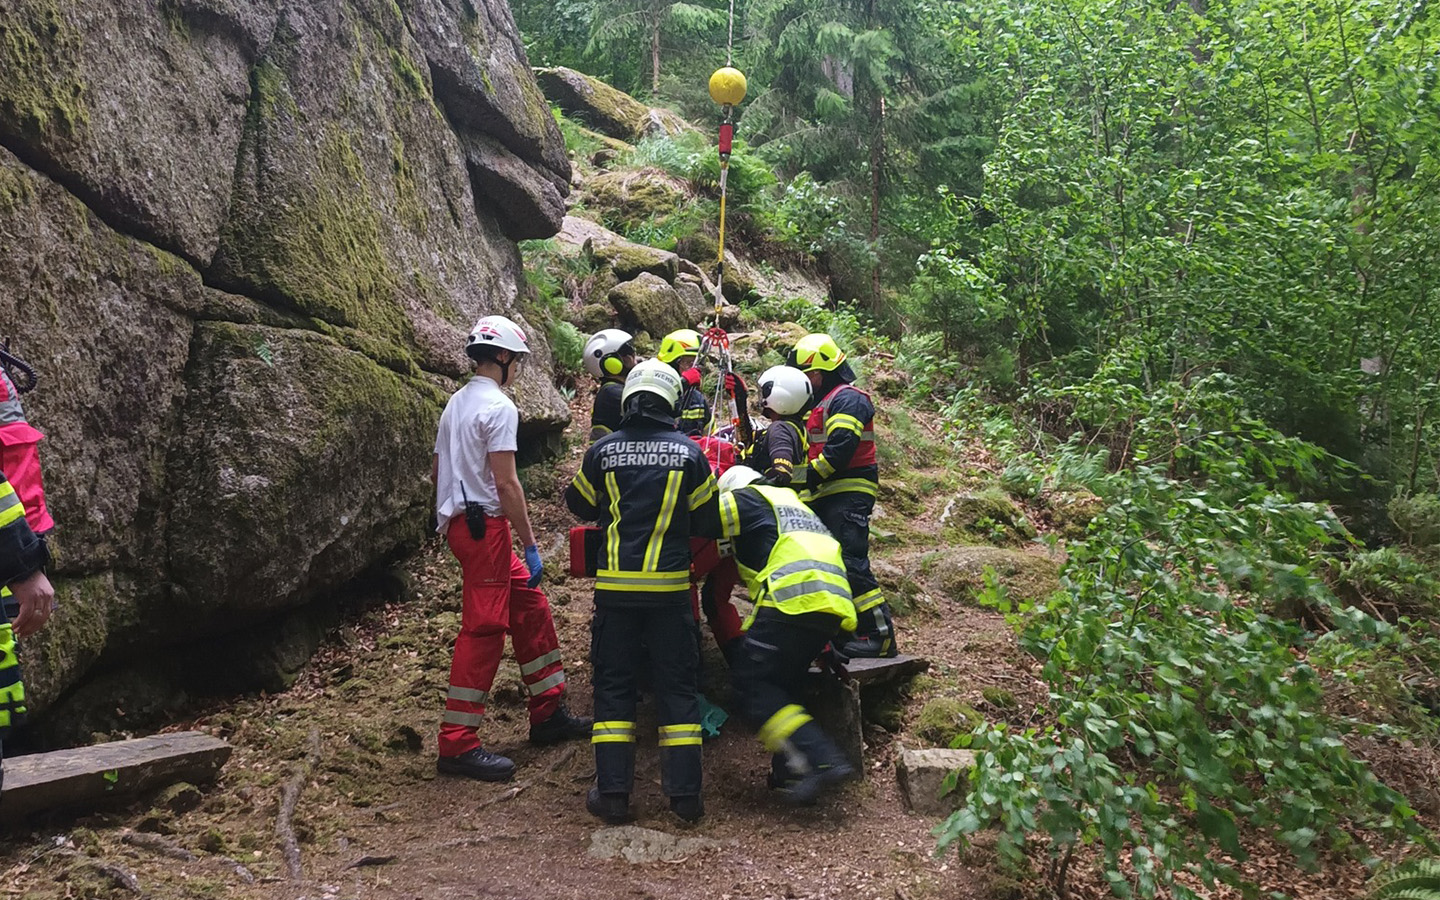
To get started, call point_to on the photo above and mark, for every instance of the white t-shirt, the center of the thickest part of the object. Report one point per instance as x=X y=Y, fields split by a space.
x=478 y=420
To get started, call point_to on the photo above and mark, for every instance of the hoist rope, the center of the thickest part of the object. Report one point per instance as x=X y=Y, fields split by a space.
x=730 y=40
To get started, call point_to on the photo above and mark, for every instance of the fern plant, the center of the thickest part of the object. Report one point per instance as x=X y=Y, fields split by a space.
x=1415 y=880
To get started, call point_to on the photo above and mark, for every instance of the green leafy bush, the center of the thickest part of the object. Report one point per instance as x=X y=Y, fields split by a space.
x=1178 y=705
x=1418 y=518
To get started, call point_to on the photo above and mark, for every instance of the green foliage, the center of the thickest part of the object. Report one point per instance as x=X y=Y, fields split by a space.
x=1179 y=706
x=1222 y=188
x=1414 y=880
x=1418 y=518
x=578 y=140
x=1389 y=578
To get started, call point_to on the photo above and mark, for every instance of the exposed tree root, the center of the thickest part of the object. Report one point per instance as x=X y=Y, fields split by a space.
x=289 y=796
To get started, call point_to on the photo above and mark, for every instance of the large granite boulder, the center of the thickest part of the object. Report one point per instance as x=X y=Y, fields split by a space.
x=606 y=109
x=243 y=242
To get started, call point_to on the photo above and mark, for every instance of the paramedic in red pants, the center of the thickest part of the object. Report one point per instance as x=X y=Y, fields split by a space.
x=477 y=499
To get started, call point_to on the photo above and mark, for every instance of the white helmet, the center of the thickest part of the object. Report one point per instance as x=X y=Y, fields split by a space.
x=498 y=332
x=654 y=377
x=784 y=390
x=603 y=352
x=738 y=477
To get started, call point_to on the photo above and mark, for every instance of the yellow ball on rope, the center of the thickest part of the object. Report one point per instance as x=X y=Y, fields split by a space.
x=727 y=86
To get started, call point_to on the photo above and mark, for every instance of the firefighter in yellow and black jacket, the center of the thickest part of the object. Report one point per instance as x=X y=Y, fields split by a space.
x=650 y=488
x=796 y=576
x=28 y=599
x=843 y=480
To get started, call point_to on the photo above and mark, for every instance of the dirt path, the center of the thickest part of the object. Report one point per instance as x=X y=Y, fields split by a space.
x=374 y=693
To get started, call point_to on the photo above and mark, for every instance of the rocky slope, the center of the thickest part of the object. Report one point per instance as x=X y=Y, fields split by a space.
x=242 y=241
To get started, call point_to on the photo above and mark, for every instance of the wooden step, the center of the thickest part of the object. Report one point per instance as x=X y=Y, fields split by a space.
x=86 y=776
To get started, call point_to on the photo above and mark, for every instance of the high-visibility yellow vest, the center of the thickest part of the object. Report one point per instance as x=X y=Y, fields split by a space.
x=804 y=572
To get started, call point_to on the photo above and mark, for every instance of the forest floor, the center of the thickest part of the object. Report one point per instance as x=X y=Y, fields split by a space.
x=375 y=821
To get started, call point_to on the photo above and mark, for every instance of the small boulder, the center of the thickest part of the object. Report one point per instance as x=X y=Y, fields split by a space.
x=629 y=261
x=943 y=719
x=593 y=317
x=179 y=798
x=738 y=280
x=629 y=199
x=691 y=295
x=1071 y=512
x=989 y=514
x=921 y=775
x=959 y=573
x=649 y=304
x=663 y=123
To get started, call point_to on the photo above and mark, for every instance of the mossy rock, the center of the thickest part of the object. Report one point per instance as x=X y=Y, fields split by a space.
x=700 y=248
x=179 y=798
x=628 y=261
x=627 y=199
x=1003 y=887
x=738 y=280
x=959 y=573
x=594 y=103
x=943 y=719
x=593 y=317
x=999 y=698
x=649 y=304
x=1071 y=512
x=989 y=514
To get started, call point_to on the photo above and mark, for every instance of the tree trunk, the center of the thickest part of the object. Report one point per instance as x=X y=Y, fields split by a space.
x=655 y=56
x=877 y=153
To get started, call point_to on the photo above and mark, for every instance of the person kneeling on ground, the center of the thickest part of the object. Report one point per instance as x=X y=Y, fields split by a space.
x=478 y=498
x=650 y=488
x=796 y=576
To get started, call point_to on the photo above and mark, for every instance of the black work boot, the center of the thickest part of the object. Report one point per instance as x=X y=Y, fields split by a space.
x=479 y=764
x=806 y=790
x=869 y=646
x=561 y=726
x=689 y=809
x=612 y=809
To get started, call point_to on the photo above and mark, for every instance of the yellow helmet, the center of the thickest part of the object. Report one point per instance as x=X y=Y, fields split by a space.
x=817 y=353
x=685 y=342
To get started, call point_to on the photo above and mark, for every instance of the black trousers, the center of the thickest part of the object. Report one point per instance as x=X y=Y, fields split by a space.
x=847 y=516
x=623 y=642
x=768 y=677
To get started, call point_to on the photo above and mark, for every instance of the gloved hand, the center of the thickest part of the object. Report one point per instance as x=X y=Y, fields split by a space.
x=812 y=478
x=532 y=562
x=691 y=377
x=733 y=385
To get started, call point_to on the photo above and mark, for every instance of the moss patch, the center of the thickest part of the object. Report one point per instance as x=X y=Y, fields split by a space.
x=631 y=198
x=40 y=53
x=959 y=573
x=944 y=719
x=989 y=515
x=629 y=261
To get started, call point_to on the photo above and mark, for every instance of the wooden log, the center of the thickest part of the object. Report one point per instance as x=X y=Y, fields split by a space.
x=86 y=776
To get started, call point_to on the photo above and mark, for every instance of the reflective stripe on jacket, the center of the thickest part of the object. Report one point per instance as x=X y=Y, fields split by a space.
x=843 y=422
x=804 y=571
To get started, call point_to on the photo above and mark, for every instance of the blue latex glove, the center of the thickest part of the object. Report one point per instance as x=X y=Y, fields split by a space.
x=532 y=562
